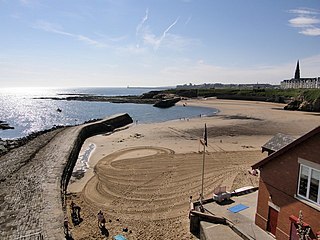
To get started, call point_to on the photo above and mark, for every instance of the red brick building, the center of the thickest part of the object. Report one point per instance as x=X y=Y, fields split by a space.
x=290 y=182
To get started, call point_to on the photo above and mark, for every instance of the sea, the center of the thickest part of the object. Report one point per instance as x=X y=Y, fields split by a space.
x=22 y=109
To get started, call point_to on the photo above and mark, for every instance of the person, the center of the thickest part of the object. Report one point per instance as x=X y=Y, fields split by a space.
x=77 y=210
x=72 y=204
x=101 y=219
x=201 y=201
x=66 y=226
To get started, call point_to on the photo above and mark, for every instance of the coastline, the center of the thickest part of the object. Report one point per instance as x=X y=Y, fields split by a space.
x=148 y=170
x=34 y=178
x=269 y=116
x=236 y=133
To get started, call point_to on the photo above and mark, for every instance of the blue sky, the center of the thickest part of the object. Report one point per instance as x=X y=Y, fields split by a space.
x=73 y=43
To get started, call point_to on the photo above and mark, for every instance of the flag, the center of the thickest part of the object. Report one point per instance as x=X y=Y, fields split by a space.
x=204 y=140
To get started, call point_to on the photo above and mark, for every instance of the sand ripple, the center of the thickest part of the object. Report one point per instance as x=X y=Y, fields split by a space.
x=149 y=187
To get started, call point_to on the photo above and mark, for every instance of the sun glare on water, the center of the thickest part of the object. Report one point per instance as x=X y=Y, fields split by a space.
x=25 y=91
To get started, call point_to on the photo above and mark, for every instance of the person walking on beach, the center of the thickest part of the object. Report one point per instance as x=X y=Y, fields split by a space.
x=66 y=226
x=75 y=209
x=101 y=220
x=75 y=213
x=72 y=204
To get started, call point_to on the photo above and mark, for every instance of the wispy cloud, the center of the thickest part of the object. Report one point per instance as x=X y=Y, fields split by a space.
x=153 y=40
x=311 y=31
x=50 y=27
x=188 y=20
x=144 y=19
x=54 y=28
x=304 y=11
x=167 y=30
x=303 y=21
x=307 y=20
x=146 y=38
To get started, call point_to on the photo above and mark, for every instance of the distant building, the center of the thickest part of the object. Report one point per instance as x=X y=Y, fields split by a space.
x=290 y=184
x=221 y=86
x=298 y=82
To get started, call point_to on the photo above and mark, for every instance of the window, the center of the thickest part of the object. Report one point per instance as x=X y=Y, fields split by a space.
x=309 y=184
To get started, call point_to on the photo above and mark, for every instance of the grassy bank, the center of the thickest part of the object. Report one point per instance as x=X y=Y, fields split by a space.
x=263 y=94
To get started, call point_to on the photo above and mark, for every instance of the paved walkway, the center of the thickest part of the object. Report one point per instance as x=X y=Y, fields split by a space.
x=30 y=202
x=242 y=222
x=218 y=232
x=30 y=181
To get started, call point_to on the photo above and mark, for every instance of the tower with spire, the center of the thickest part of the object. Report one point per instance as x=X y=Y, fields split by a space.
x=297 y=72
x=298 y=82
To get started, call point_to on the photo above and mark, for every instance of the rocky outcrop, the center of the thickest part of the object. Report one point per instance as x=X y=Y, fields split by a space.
x=152 y=97
x=5 y=126
x=9 y=144
x=112 y=99
x=166 y=103
x=303 y=104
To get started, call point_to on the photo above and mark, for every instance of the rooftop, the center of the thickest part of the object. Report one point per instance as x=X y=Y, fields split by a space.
x=277 y=142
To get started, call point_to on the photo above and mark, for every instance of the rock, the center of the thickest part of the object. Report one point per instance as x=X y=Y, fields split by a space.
x=316 y=105
x=166 y=103
x=301 y=103
x=3 y=149
x=9 y=144
x=293 y=105
x=5 y=126
x=149 y=95
x=305 y=106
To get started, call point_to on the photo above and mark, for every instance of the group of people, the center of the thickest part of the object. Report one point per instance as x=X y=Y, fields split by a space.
x=75 y=215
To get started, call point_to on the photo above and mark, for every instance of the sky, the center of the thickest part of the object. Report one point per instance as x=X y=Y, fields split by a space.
x=115 y=43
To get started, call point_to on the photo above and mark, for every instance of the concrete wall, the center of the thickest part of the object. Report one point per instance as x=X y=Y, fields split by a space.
x=84 y=132
x=87 y=131
x=34 y=178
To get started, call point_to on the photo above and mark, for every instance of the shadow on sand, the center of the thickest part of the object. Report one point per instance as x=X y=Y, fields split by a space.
x=104 y=231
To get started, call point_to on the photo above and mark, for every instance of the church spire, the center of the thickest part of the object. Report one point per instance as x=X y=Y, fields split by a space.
x=297 y=72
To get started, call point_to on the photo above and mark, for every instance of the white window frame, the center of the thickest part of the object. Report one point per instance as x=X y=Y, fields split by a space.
x=309 y=180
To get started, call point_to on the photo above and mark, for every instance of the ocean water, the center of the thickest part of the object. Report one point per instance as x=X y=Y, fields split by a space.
x=20 y=109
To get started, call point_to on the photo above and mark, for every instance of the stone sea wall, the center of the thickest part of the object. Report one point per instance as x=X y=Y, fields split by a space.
x=88 y=131
x=34 y=177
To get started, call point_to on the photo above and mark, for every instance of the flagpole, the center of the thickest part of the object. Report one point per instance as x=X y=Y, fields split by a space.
x=203 y=159
x=205 y=143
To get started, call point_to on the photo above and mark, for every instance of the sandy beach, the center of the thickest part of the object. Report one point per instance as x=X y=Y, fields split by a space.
x=142 y=176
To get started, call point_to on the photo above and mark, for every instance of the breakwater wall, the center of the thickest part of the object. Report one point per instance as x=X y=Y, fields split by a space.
x=55 y=196
x=87 y=131
x=34 y=178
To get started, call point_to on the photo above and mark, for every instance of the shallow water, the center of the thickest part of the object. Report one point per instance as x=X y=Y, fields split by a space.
x=19 y=109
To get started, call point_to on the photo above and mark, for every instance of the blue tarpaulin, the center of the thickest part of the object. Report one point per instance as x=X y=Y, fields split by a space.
x=119 y=237
x=237 y=208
